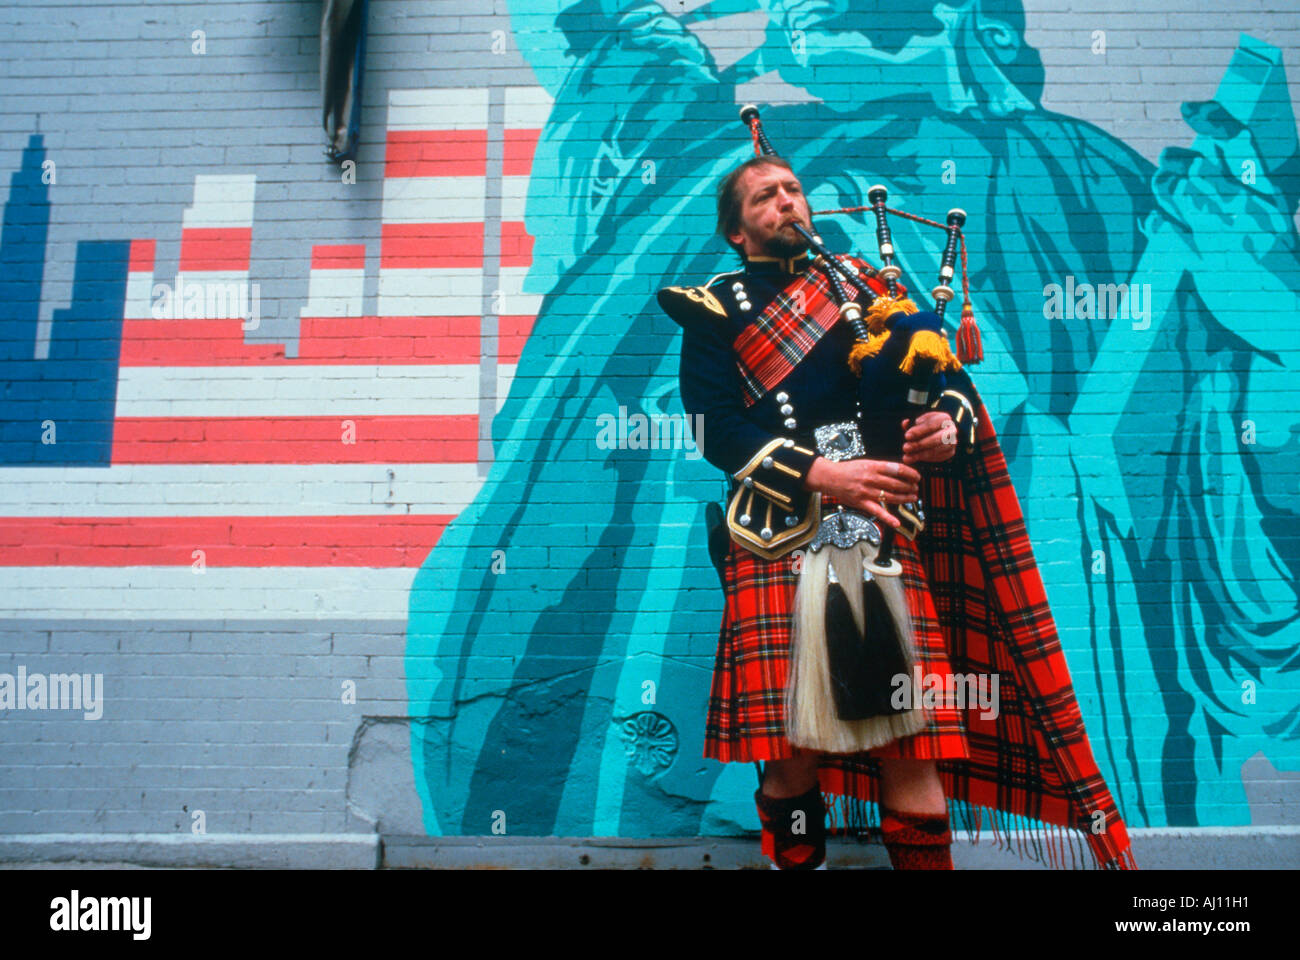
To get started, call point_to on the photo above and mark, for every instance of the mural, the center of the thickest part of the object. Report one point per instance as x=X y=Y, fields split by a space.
x=1139 y=370
x=308 y=479
x=562 y=614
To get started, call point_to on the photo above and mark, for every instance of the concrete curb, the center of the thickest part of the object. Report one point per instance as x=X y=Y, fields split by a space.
x=1158 y=848
x=291 y=851
x=1155 y=848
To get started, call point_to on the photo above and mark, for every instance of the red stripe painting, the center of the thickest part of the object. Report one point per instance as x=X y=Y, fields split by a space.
x=271 y=439
x=302 y=541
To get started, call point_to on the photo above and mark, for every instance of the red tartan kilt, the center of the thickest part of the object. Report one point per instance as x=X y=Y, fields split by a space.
x=746 y=717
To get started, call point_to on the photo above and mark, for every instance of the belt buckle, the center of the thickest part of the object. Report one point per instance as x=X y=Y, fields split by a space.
x=839 y=441
x=843 y=528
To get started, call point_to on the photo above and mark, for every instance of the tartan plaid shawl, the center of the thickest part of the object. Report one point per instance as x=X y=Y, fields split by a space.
x=1031 y=768
x=789 y=327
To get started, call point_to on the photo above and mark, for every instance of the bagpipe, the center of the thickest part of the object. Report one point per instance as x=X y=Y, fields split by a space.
x=852 y=654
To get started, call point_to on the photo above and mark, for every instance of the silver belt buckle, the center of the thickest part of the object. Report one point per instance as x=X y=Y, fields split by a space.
x=839 y=441
x=843 y=528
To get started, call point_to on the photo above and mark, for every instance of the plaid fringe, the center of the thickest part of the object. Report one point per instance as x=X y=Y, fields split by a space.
x=1040 y=842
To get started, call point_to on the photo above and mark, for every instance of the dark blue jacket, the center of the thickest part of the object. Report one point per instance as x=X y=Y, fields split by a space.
x=778 y=428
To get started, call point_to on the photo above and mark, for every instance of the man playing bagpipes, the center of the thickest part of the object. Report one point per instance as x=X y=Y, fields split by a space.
x=873 y=556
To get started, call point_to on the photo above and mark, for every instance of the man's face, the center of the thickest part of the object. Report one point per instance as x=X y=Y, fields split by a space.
x=772 y=199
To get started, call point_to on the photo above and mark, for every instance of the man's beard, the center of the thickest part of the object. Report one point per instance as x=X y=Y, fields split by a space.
x=785 y=244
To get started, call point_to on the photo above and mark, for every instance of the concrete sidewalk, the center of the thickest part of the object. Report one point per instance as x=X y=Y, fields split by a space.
x=1169 y=848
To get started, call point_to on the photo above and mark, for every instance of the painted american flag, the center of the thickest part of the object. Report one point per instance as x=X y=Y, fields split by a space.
x=232 y=491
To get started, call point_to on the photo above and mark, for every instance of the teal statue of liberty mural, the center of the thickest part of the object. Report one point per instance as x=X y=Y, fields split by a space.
x=1140 y=343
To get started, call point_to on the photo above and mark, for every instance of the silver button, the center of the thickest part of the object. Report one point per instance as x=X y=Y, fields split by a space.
x=782 y=397
x=749 y=481
x=744 y=519
x=791 y=520
x=737 y=286
x=786 y=409
x=787 y=443
x=766 y=533
x=745 y=305
x=791 y=423
x=767 y=463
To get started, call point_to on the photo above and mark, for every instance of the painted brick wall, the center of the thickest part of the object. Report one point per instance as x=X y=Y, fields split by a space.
x=230 y=530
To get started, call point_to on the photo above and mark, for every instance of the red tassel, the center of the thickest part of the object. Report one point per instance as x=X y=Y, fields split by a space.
x=970 y=349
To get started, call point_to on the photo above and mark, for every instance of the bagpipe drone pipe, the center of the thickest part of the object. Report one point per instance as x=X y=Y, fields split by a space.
x=852 y=639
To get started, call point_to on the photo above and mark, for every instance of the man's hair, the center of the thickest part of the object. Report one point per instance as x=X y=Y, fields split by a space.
x=729 y=203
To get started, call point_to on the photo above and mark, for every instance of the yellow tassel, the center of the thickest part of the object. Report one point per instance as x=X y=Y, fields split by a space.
x=929 y=345
x=864 y=349
x=885 y=307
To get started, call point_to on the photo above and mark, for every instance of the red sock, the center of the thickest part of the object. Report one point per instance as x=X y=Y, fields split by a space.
x=916 y=841
x=787 y=849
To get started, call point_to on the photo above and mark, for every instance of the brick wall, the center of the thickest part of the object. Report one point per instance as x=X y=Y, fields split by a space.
x=230 y=525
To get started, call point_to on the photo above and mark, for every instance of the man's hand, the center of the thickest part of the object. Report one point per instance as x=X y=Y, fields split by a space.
x=932 y=439
x=862 y=483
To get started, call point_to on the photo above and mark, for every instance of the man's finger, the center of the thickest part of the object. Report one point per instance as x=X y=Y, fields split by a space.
x=890 y=485
x=880 y=513
x=934 y=420
x=906 y=473
x=887 y=473
x=940 y=451
x=928 y=442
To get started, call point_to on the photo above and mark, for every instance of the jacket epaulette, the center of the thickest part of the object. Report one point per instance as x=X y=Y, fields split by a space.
x=696 y=304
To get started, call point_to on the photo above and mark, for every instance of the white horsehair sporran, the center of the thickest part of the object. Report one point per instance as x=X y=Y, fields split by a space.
x=851 y=642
